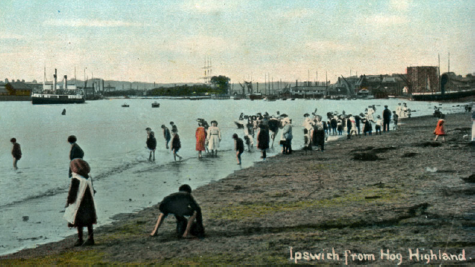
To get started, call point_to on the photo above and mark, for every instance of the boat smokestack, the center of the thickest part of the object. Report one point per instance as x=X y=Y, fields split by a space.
x=54 y=80
x=65 y=82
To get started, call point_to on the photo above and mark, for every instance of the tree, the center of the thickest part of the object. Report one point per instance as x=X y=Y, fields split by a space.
x=221 y=83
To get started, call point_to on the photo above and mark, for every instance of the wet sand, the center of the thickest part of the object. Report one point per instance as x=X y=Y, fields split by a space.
x=368 y=200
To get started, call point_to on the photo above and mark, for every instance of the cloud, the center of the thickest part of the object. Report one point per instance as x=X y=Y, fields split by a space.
x=211 y=6
x=91 y=23
x=402 y=5
x=382 y=20
x=326 y=46
x=11 y=36
x=200 y=45
x=298 y=13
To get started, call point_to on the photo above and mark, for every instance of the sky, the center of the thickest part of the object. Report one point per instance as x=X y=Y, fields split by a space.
x=169 y=41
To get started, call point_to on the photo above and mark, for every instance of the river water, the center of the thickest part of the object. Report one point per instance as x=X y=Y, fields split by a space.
x=113 y=139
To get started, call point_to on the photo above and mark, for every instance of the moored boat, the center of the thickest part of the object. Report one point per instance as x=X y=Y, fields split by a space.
x=38 y=99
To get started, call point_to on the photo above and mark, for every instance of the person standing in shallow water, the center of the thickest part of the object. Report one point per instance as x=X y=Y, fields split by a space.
x=263 y=140
x=76 y=152
x=200 y=136
x=16 y=153
x=166 y=135
x=80 y=206
x=214 y=137
x=239 y=147
x=176 y=145
x=151 y=143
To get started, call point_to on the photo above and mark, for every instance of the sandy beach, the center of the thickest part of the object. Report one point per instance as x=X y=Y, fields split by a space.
x=383 y=199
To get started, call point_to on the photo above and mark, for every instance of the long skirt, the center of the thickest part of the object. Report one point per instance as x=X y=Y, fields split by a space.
x=213 y=142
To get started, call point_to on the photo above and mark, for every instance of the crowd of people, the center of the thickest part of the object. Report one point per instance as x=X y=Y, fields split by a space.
x=80 y=209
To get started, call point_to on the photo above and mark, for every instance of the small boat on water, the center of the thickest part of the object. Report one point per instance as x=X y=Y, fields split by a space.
x=125 y=105
x=155 y=104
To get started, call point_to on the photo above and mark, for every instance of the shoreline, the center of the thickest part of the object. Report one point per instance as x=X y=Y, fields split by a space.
x=397 y=199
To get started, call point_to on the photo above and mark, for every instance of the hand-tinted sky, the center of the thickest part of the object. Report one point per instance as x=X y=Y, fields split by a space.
x=168 y=41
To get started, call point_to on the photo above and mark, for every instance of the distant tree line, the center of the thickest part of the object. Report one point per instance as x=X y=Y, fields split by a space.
x=219 y=86
x=123 y=92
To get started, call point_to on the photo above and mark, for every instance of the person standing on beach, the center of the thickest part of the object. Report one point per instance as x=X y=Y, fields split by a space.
x=440 y=130
x=151 y=143
x=166 y=135
x=395 y=119
x=263 y=139
x=319 y=134
x=214 y=137
x=348 y=126
x=358 y=122
x=181 y=204
x=239 y=147
x=80 y=206
x=287 y=134
x=379 y=124
x=76 y=152
x=353 y=131
x=16 y=153
x=367 y=128
x=334 y=124
x=307 y=141
x=176 y=145
x=386 y=118
x=405 y=111
x=247 y=136
x=200 y=136
x=399 y=110
x=339 y=126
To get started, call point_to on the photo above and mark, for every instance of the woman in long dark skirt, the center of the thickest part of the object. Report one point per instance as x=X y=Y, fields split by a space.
x=263 y=139
x=80 y=208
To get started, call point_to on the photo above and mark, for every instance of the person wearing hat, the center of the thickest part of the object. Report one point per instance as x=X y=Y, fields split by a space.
x=166 y=135
x=76 y=152
x=80 y=206
x=386 y=118
x=263 y=139
x=200 y=136
x=151 y=143
x=440 y=130
x=214 y=137
x=181 y=204
x=239 y=147
x=16 y=153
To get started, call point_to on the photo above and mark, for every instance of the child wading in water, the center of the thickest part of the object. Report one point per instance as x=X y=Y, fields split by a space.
x=16 y=153
x=239 y=147
x=176 y=145
x=440 y=130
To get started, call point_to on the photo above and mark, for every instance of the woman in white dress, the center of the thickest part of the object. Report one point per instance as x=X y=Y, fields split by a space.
x=214 y=137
